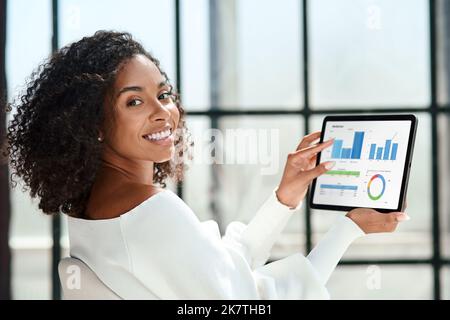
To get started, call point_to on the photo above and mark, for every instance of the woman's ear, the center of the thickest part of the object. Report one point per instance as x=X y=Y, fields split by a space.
x=100 y=136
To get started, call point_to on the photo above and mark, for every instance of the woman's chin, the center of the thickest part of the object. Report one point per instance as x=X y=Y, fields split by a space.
x=164 y=157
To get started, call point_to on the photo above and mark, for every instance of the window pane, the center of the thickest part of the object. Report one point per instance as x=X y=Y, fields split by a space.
x=196 y=186
x=444 y=184
x=152 y=24
x=445 y=280
x=23 y=17
x=258 y=147
x=412 y=238
x=269 y=62
x=443 y=51
x=195 y=54
x=31 y=278
x=369 y=53
x=255 y=54
x=381 y=282
x=30 y=233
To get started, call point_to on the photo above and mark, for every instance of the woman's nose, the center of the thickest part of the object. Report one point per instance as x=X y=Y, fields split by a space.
x=160 y=111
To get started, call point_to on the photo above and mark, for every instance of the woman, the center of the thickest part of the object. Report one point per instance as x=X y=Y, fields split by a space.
x=99 y=128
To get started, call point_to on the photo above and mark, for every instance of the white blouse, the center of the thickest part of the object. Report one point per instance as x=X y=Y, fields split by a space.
x=160 y=250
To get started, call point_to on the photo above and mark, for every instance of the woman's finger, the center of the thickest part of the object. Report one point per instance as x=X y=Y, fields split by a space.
x=392 y=217
x=402 y=216
x=307 y=140
x=312 y=161
x=319 y=170
x=313 y=150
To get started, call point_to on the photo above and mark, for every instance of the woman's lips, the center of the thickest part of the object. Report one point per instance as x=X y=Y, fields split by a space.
x=167 y=141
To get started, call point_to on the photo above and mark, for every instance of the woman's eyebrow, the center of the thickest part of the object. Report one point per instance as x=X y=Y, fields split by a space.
x=131 y=88
x=138 y=88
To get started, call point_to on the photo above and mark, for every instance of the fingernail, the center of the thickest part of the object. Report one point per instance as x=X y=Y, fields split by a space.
x=403 y=217
x=329 y=165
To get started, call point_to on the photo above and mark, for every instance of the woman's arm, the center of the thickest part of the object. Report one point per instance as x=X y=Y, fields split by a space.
x=358 y=222
x=327 y=253
x=256 y=239
x=263 y=230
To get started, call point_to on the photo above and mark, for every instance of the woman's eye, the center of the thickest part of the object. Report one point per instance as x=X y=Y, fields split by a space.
x=165 y=95
x=134 y=103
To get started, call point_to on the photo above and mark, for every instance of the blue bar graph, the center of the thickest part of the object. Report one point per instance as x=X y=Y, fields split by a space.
x=388 y=152
x=379 y=153
x=346 y=153
x=357 y=145
x=337 y=147
x=339 y=152
x=394 y=151
x=338 y=187
x=373 y=146
x=387 y=148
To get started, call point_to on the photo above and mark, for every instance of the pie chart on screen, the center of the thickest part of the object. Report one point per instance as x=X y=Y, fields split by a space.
x=376 y=187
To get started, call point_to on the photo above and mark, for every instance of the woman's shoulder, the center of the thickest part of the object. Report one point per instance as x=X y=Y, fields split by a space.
x=112 y=203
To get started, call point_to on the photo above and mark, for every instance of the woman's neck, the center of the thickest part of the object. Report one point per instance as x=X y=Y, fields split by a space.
x=136 y=171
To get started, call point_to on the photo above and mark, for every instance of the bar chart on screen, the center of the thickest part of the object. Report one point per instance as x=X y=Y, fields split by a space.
x=352 y=152
x=386 y=150
x=368 y=163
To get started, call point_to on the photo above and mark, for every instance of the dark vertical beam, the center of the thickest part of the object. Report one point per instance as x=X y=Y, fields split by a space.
x=56 y=219
x=5 y=205
x=178 y=67
x=435 y=153
x=306 y=111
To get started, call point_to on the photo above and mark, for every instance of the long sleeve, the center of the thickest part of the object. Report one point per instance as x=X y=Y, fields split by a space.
x=161 y=250
x=327 y=253
x=259 y=236
x=178 y=257
x=294 y=277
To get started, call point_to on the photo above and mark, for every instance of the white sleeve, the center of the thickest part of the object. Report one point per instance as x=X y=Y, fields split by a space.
x=256 y=239
x=295 y=276
x=327 y=253
x=172 y=254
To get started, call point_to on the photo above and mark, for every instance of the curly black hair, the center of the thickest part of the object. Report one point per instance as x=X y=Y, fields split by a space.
x=52 y=139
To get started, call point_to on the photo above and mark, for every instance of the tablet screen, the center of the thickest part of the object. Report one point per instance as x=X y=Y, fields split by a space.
x=370 y=160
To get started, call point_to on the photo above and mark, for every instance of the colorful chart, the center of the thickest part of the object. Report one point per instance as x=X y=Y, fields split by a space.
x=383 y=181
x=369 y=161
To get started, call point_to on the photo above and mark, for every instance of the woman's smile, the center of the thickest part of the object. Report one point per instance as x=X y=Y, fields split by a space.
x=163 y=138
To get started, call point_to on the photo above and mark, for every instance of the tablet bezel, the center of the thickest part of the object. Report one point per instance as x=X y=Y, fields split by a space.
x=406 y=166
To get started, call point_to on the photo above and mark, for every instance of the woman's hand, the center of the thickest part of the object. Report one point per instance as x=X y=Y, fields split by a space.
x=301 y=170
x=371 y=221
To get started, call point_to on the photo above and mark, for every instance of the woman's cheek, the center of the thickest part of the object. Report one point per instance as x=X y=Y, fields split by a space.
x=176 y=115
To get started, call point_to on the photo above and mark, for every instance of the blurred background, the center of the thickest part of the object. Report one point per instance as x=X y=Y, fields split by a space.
x=261 y=64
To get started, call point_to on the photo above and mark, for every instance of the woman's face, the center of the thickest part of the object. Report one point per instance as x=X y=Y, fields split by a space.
x=144 y=116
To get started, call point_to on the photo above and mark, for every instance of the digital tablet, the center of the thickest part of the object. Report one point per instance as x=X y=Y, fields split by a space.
x=372 y=156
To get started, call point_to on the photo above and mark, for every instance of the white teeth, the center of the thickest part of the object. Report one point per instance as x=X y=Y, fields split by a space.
x=158 y=135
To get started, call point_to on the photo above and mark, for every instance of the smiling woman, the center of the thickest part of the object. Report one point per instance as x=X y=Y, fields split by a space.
x=86 y=110
x=99 y=128
x=141 y=121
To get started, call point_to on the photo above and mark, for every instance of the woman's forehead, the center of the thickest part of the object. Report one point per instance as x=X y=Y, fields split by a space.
x=139 y=70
